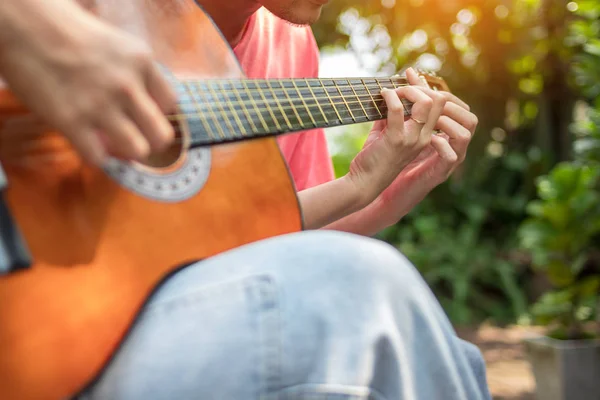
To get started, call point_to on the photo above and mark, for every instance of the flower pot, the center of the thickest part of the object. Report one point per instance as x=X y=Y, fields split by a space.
x=564 y=369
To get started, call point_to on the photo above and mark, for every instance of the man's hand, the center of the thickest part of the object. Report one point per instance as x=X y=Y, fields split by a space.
x=394 y=143
x=95 y=84
x=435 y=163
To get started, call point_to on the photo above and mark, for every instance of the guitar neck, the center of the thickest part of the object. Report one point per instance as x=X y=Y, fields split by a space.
x=219 y=111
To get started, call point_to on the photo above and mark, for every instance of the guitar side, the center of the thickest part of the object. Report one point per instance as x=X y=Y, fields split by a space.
x=100 y=249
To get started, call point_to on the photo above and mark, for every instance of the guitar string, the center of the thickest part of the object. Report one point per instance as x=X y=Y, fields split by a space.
x=269 y=107
x=295 y=92
x=201 y=111
x=233 y=135
x=366 y=108
x=270 y=102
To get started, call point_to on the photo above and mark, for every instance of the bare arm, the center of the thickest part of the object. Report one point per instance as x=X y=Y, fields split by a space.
x=329 y=202
x=338 y=205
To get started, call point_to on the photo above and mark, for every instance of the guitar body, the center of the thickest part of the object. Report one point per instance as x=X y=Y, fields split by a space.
x=102 y=242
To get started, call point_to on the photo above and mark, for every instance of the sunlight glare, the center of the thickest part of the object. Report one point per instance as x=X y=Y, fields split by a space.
x=501 y=11
x=466 y=17
x=429 y=62
x=572 y=6
x=418 y=39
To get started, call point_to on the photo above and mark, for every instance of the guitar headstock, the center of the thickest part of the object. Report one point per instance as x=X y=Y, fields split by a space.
x=434 y=81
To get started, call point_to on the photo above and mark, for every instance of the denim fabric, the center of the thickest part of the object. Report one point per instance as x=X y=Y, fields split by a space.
x=312 y=315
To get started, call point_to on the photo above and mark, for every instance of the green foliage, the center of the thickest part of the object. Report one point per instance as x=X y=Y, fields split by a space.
x=561 y=234
x=584 y=35
x=531 y=72
x=587 y=131
x=563 y=229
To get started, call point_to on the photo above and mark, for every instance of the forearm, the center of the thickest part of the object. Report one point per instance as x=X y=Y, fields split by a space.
x=324 y=204
x=339 y=205
x=367 y=221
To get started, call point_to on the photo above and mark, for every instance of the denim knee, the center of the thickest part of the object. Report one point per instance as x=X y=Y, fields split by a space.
x=346 y=256
x=348 y=273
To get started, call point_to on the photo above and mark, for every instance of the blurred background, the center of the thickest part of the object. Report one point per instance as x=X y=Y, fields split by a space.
x=510 y=243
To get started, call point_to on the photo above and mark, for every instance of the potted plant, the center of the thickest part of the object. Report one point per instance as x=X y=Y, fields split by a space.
x=561 y=234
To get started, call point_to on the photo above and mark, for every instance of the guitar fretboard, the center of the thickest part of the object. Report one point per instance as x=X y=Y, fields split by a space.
x=218 y=111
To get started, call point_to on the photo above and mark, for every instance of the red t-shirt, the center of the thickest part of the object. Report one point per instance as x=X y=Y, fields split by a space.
x=273 y=48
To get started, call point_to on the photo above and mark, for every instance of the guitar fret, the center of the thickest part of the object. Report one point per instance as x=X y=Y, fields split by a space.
x=255 y=105
x=358 y=99
x=209 y=130
x=268 y=107
x=372 y=98
x=243 y=107
x=331 y=101
x=234 y=112
x=287 y=121
x=292 y=105
x=384 y=106
x=217 y=101
x=317 y=101
x=344 y=100
x=305 y=105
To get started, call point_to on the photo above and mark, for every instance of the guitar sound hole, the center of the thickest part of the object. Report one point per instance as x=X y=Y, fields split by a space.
x=170 y=155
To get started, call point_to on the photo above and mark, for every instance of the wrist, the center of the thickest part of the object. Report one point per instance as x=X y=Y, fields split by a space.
x=361 y=190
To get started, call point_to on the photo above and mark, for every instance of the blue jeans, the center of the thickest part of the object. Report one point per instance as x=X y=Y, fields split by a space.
x=311 y=315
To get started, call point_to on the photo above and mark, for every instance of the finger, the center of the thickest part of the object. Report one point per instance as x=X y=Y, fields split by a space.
x=414 y=78
x=420 y=108
x=445 y=151
x=462 y=116
x=87 y=143
x=150 y=120
x=459 y=137
x=161 y=90
x=437 y=107
x=124 y=136
x=396 y=112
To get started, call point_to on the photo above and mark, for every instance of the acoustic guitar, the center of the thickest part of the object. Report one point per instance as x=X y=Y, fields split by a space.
x=84 y=247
